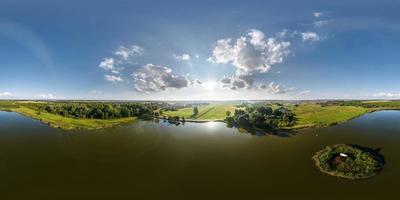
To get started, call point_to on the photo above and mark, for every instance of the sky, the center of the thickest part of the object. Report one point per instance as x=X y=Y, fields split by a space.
x=199 y=50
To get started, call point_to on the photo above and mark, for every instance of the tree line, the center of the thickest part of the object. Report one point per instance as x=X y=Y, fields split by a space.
x=100 y=110
x=260 y=116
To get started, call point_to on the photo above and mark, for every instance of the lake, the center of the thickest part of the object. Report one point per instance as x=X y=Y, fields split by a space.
x=195 y=160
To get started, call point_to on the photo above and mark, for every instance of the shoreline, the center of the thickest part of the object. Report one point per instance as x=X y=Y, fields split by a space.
x=60 y=122
x=101 y=124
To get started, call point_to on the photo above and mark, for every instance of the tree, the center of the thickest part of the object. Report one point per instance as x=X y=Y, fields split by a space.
x=260 y=116
x=195 y=111
x=228 y=113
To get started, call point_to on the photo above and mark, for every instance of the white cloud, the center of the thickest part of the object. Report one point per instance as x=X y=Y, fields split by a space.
x=276 y=88
x=250 y=53
x=183 y=57
x=113 y=78
x=127 y=52
x=6 y=94
x=123 y=53
x=304 y=93
x=238 y=81
x=310 y=36
x=318 y=14
x=282 y=34
x=155 y=78
x=46 y=96
x=197 y=82
x=386 y=95
x=108 y=64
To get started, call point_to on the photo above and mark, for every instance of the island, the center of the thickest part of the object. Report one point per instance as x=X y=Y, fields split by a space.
x=348 y=161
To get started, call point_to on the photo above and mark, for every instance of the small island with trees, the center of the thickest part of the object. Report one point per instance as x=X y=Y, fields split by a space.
x=348 y=161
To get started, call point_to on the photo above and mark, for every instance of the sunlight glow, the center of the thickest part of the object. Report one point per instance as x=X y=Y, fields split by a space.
x=210 y=85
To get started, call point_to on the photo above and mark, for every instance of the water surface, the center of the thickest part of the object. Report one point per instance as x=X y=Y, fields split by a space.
x=197 y=160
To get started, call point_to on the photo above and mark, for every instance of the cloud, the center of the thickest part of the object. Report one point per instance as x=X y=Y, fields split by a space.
x=320 y=23
x=386 y=95
x=304 y=93
x=155 y=78
x=127 y=52
x=46 y=96
x=197 y=82
x=123 y=55
x=183 y=57
x=318 y=14
x=113 y=78
x=108 y=64
x=250 y=53
x=276 y=89
x=310 y=36
x=238 y=81
x=6 y=94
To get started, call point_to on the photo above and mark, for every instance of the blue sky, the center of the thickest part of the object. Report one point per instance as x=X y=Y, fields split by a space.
x=183 y=50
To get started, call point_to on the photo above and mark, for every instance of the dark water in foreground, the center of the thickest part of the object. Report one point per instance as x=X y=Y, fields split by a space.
x=202 y=161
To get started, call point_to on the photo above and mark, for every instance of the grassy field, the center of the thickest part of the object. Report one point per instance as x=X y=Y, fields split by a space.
x=206 y=113
x=57 y=121
x=382 y=105
x=313 y=115
x=308 y=115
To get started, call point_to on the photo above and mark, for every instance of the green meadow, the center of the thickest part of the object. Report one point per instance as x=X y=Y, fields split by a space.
x=206 y=113
x=314 y=115
x=307 y=115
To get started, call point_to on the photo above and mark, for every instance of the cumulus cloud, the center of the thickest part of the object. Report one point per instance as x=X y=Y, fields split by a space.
x=112 y=78
x=123 y=54
x=250 y=53
x=386 y=95
x=238 y=81
x=318 y=14
x=197 y=82
x=127 y=52
x=154 y=78
x=276 y=88
x=6 y=94
x=183 y=57
x=304 y=93
x=310 y=36
x=108 y=64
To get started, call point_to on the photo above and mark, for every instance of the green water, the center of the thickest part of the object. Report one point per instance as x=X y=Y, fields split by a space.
x=195 y=161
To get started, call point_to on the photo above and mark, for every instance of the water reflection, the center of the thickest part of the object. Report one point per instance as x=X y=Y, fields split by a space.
x=244 y=130
x=155 y=159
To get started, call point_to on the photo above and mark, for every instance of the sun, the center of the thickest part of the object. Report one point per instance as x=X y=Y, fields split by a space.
x=210 y=85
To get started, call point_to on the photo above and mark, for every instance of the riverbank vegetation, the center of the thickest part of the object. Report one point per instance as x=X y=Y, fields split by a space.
x=81 y=115
x=350 y=162
x=260 y=115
